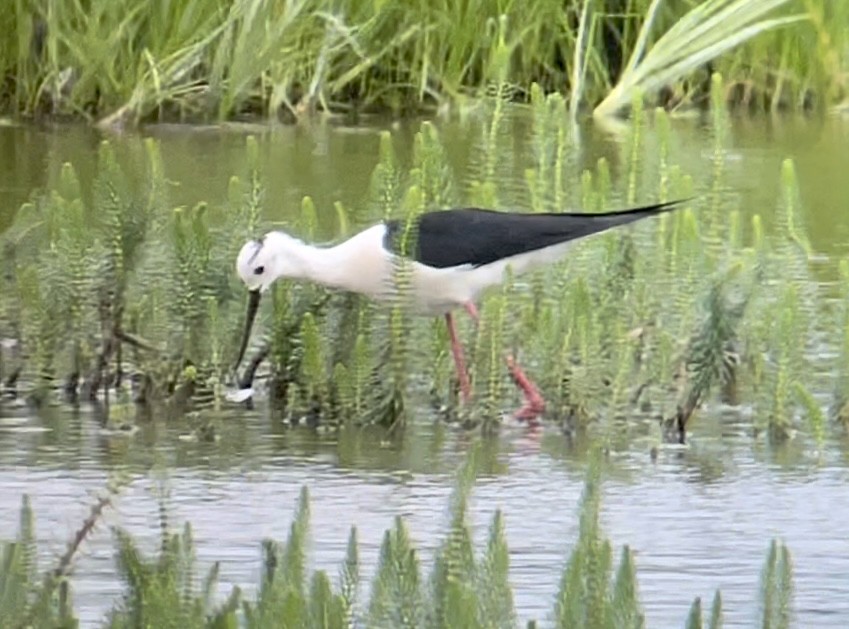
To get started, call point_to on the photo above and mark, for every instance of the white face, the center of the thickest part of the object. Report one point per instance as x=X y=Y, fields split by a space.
x=255 y=265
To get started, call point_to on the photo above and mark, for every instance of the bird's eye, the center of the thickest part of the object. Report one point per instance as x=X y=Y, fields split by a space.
x=259 y=270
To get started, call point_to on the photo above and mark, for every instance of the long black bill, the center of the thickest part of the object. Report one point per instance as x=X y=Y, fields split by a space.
x=253 y=306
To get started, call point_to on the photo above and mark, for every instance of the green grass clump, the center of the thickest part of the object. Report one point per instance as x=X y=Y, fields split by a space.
x=121 y=62
x=22 y=596
x=31 y=599
x=162 y=591
x=119 y=290
x=467 y=586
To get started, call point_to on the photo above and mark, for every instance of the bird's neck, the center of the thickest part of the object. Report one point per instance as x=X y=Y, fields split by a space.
x=322 y=265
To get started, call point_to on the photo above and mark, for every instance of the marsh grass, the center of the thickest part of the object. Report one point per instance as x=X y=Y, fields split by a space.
x=121 y=62
x=702 y=34
x=465 y=585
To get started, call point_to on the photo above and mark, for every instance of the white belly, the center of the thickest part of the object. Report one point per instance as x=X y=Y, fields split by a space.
x=437 y=291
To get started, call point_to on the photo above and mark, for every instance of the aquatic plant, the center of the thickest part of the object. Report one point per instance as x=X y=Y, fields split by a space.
x=163 y=590
x=20 y=590
x=637 y=327
x=712 y=356
x=30 y=599
x=466 y=586
x=84 y=271
x=695 y=619
x=777 y=587
x=586 y=598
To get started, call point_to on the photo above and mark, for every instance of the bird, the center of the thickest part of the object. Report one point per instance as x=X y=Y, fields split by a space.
x=453 y=256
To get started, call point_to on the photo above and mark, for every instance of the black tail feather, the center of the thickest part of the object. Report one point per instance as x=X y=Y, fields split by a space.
x=474 y=236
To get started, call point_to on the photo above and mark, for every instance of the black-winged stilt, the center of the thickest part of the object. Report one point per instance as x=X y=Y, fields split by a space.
x=454 y=254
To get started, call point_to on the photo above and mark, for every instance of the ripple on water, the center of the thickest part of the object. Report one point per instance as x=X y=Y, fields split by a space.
x=698 y=519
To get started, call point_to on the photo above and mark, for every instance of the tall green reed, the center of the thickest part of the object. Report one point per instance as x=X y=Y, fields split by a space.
x=125 y=61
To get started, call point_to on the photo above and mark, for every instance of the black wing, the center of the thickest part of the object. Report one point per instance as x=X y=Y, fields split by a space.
x=475 y=237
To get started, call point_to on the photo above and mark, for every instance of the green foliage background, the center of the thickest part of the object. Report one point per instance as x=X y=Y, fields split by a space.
x=125 y=61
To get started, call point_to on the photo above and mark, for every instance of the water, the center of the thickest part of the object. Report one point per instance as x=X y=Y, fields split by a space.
x=699 y=519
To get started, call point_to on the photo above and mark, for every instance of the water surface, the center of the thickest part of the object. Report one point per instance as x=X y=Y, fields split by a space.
x=699 y=519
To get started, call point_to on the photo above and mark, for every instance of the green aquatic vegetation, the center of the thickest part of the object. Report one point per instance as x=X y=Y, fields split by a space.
x=491 y=159
x=106 y=290
x=396 y=593
x=290 y=354
x=780 y=336
x=192 y=274
x=712 y=355
x=30 y=599
x=123 y=220
x=386 y=179
x=716 y=611
x=608 y=333
x=162 y=590
x=181 y=297
x=467 y=585
x=816 y=417
x=791 y=218
x=548 y=144
x=313 y=363
x=587 y=597
x=353 y=381
x=839 y=408
x=696 y=619
x=282 y=596
x=778 y=403
x=395 y=320
x=715 y=236
x=41 y=334
x=57 y=290
x=19 y=582
x=247 y=196
x=431 y=172
x=465 y=590
x=776 y=587
x=488 y=356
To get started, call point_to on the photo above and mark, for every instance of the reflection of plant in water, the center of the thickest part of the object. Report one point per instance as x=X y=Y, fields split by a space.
x=467 y=586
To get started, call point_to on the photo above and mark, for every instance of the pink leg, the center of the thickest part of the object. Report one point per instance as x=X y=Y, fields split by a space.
x=459 y=359
x=534 y=402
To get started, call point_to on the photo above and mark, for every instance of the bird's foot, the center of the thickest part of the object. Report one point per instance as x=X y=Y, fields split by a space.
x=534 y=403
x=530 y=411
